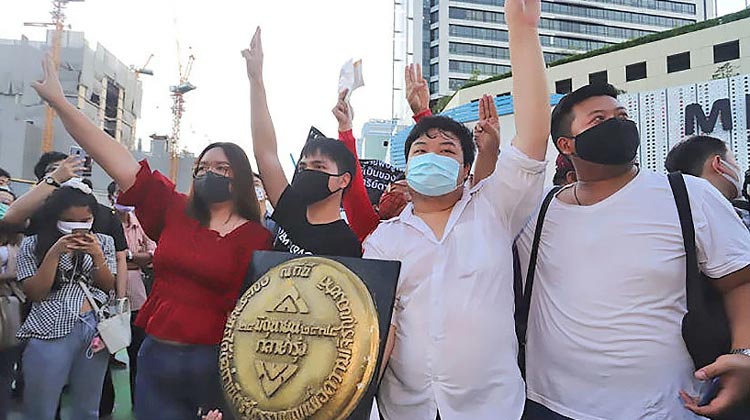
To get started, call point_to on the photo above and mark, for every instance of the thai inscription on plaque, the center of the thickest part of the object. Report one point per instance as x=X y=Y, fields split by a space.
x=302 y=343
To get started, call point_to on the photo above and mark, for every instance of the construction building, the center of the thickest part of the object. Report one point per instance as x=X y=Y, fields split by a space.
x=104 y=88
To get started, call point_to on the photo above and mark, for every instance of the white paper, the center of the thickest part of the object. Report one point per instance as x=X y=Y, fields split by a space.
x=351 y=77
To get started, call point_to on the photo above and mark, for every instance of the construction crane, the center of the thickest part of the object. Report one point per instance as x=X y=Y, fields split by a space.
x=58 y=22
x=138 y=72
x=178 y=108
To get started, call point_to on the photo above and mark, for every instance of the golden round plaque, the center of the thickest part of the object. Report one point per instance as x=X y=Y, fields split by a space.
x=302 y=343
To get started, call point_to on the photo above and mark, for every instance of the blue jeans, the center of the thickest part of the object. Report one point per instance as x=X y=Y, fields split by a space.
x=48 y=365
x=536 y=411
x=174 y=382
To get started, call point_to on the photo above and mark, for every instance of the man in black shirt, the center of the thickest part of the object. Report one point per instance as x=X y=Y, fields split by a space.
x=309 y=210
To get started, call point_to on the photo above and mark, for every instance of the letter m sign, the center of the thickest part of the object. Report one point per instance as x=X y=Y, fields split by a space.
x=694 y=115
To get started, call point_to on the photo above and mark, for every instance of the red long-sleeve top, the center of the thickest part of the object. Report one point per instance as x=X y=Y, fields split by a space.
x=198 y=274
x=362 y=217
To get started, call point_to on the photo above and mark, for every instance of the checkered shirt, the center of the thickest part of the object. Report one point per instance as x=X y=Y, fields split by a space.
x=55 y=316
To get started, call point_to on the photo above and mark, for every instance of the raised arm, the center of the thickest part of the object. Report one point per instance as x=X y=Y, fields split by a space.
x=264 y=135
x=417 y=92
x=530 y=92
x=487 y=137
x=112 y=156
x=22 y=209
x=362 y=217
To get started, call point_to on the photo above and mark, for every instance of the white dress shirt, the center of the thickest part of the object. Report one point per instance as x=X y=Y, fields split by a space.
x=604 y=338
x=455 y=349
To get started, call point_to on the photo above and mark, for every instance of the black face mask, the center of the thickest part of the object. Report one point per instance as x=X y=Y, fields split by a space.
x=612 y=142
x=312 y=186
x=212 y=188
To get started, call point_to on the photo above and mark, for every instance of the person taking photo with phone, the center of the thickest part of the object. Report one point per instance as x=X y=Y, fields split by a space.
x=60 y=330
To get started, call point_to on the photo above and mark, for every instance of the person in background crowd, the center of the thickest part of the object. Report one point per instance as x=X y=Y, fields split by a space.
x=52 y=170
x=63 y=346
x=709 y=158
x=140 y=256
x=394 y=199
x=613 y=300
x=7 y=197
x=362 y=216
x=10 y=239
x=452 y=349
x=263 y=204
x=308 y=209
x=204 y=245
x=4 y=178
x=565 y=173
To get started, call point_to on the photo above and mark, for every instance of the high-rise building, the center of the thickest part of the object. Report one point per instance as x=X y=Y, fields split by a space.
x=461 y=40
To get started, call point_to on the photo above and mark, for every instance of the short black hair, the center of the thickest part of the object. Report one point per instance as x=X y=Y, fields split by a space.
x=111 y=188
x=40 y=169
x=562 y=115
x=689 y=155
x=4 y=173
x=334 y=150
x=446 y=124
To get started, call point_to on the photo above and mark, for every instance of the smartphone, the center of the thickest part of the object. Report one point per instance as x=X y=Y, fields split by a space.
x=87 y=161
x=80 y=231
x=708 y=391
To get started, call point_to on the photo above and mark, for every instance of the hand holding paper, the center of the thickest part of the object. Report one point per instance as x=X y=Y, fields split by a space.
x=350 y=79
x=343 y=112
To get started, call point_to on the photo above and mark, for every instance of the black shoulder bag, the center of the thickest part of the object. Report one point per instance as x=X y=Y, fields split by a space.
x=523 y=294
x=705 y=327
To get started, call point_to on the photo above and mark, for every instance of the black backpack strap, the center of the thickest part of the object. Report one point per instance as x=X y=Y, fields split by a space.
x=677 y=182
x=523 y=299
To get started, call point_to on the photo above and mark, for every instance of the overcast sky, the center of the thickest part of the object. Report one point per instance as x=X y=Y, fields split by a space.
x=305 y=43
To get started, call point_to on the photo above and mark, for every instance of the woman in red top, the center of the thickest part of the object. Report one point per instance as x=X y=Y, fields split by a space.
x=205 y=243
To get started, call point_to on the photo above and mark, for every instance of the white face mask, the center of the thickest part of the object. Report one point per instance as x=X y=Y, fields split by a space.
x=735 y=178
x=66 y=228
x=124 y=209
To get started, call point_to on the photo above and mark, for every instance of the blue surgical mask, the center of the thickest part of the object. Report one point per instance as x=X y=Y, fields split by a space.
x=432 y=175
x=3 y=209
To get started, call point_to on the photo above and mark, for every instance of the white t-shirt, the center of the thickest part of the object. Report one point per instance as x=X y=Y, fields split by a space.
x=455 y=348
x=604 y=340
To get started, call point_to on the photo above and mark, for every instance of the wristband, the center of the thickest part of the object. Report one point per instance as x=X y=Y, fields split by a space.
x=745 y=352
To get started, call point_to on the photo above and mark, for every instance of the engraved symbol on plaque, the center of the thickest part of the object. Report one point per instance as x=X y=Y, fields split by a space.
x=291 y=303
x=273 y=375
x=302 y=343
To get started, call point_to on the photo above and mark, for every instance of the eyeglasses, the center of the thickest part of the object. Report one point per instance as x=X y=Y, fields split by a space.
x=221 y=169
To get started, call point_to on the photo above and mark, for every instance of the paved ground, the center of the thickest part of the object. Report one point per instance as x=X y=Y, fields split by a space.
x=120 y=377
